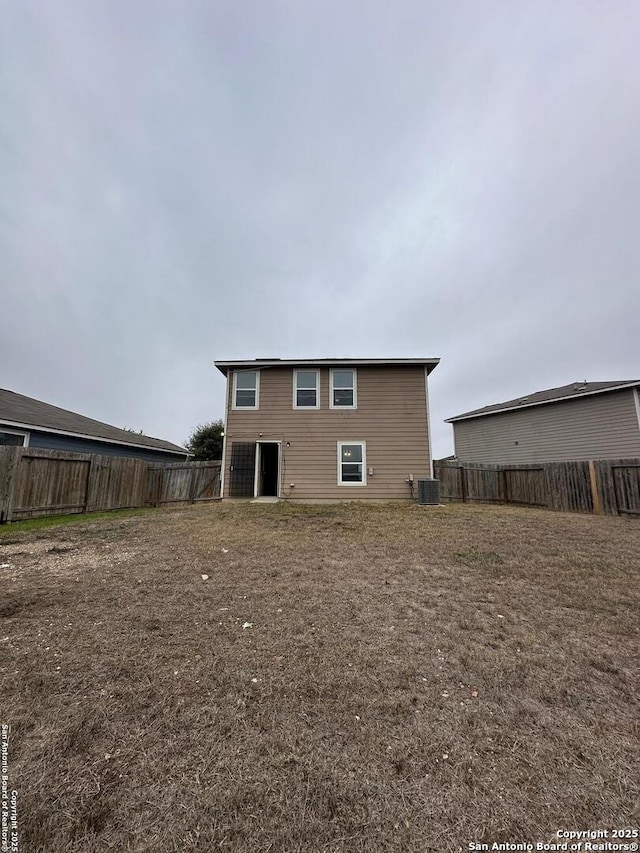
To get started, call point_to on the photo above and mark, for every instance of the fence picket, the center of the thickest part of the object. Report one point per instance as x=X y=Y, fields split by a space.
x=36 y=483
x=610 y=486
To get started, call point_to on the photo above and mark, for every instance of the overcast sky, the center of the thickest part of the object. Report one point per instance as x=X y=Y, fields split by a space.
x=188 y=181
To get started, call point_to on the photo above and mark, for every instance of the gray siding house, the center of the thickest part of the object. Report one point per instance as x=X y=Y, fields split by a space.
x=584 y=420
x=25 y=422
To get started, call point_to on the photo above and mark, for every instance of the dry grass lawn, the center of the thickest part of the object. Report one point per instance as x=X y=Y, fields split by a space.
x=348 y=678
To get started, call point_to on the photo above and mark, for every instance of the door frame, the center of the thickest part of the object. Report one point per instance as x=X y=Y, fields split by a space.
x=256 y=476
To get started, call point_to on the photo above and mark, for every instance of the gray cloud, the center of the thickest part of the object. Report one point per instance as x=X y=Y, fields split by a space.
x=190 y=181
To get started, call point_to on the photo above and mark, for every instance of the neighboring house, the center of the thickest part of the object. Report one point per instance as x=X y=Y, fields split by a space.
x=584 y=420
x=326 y=429
x=26 y=422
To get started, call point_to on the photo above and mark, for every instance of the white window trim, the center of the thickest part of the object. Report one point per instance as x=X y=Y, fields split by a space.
x=364 y=464
x=235 y=383
x=355 y=388
x=25 y=435
x=295 y=388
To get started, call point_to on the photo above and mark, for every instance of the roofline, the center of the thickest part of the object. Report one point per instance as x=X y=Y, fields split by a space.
x=224 y=366
x=542 y=402
x=36 y=428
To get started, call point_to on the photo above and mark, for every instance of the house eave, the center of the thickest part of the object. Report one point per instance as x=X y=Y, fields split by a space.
x=69 y=434
x=577 y=396
x=247 y=364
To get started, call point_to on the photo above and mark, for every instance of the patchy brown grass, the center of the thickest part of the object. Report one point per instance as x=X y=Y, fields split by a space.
x=412 y=679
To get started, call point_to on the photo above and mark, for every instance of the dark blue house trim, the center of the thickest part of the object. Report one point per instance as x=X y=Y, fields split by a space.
x=53 y=441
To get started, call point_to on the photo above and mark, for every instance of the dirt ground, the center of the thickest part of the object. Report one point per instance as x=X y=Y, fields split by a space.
x=274 y=677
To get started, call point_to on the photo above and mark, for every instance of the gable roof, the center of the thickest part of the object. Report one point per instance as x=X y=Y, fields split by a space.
x=22 y=412
x=553 y=395
x=248 y=364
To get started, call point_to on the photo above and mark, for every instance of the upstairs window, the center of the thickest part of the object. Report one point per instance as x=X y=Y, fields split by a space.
x=343 y=389
x=246 y=389
x=351 y=463
x=306 y=389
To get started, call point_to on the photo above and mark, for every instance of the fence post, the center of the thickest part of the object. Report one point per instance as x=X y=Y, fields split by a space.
x=87 y=485
x=504 y=485
x=463 y=485
x=160 y=486
x=595 y=494
x=9 y=459
x=192 y=484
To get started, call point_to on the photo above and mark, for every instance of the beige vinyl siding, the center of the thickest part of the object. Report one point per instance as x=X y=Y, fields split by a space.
x=602 y=426
x=391 y=418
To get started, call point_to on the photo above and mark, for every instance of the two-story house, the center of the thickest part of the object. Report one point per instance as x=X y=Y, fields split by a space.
x=584 y=420
x=326 y=429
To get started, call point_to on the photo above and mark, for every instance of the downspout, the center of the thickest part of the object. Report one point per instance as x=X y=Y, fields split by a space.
x=224 y=437
x=428 y=411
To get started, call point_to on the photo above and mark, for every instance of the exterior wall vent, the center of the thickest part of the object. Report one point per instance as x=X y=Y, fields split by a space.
x=429 y=492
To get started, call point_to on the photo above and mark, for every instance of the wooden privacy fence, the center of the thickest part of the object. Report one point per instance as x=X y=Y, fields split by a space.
x=610 y=486
x=185 y=482
x=36 y=483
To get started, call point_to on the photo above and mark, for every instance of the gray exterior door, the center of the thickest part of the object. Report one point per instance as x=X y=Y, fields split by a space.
x=243 y=469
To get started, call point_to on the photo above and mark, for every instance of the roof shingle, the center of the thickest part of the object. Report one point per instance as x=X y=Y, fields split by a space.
x=26 y=411
x=565 y=392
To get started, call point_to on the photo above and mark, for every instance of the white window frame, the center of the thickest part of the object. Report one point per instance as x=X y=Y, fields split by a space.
x=363 y=444
x=235 y=389
x=355 y=388
x=295 y=388
x=25 y=435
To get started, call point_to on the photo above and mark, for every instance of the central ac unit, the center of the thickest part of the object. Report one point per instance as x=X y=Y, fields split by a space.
x=429 y=492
